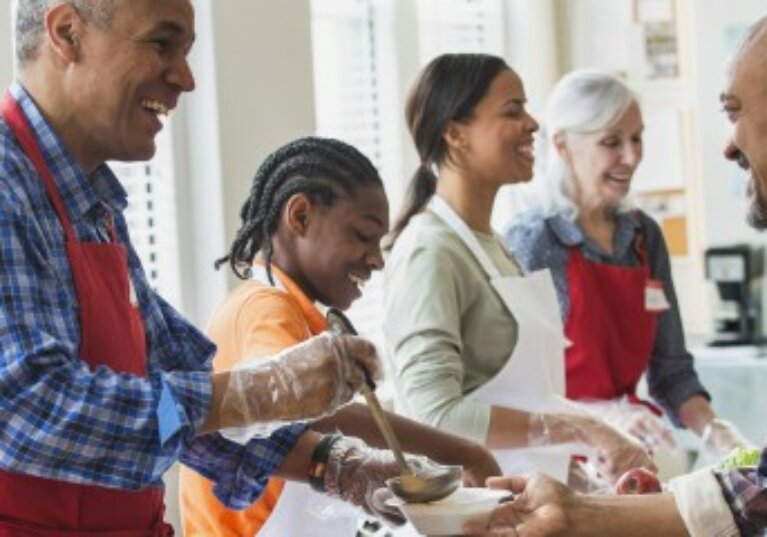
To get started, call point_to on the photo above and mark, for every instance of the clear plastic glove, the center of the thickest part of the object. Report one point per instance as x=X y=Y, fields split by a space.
x=582 y=477
x=615 y=452
x=357 y=473
x=309 y=380
x=720 y=436
x=635 y=419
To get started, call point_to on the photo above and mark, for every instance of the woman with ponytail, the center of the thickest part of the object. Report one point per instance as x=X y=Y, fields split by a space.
x=477 y=346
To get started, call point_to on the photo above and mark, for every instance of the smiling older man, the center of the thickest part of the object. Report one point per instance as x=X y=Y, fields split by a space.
x=102 y=384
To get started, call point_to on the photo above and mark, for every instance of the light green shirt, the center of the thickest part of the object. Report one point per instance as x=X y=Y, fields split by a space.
x=446 y=329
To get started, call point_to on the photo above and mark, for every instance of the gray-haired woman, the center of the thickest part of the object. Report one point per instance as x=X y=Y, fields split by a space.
x=611 y=268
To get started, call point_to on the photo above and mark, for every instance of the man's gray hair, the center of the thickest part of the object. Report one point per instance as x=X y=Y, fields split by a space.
x=30 y=21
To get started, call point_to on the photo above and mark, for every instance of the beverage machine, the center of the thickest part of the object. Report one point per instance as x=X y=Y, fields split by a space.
x=737 y=273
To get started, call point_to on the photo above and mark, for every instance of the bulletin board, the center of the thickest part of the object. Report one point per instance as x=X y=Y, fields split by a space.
x=669 y=209
x=660 y=182
x=658 y=43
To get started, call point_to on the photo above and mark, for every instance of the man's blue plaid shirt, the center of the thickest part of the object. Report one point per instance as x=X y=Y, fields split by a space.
x=59 y=419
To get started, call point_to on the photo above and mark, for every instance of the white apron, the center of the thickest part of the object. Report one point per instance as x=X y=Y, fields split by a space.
x=302 y=512
x=533 y=378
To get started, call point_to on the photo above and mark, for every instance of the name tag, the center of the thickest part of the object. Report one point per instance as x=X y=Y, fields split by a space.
x=654 y=297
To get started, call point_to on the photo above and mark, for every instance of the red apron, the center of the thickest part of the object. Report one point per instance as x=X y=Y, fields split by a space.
x=112 y=334
x=611 y=330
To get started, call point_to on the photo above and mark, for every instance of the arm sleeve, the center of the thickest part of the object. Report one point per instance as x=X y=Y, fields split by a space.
x=702 y=506
x=240 y=473
x=66 y=421
x=671 y=375
x=422 y=327
x=745 y=491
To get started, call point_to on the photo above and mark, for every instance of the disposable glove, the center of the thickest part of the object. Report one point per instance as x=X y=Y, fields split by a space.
x=615 y=452
x=306 y=381
x=635 y=419
x=720 y=436
x=581 y=477
x=357 y=473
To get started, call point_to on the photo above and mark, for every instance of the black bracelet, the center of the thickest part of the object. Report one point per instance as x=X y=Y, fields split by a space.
x=319 y=461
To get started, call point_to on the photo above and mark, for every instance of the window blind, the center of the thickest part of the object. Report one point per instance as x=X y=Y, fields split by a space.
x=151 y=216
x=460 y=26
x=355 y=86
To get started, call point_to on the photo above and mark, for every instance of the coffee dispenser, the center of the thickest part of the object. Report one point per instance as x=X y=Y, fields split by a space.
x=737 y=273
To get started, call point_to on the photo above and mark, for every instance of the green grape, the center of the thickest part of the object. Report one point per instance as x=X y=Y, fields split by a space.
x=740 y=457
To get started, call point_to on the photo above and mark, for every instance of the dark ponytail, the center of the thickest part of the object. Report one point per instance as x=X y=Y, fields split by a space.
x=421 y=189
x=448 y=89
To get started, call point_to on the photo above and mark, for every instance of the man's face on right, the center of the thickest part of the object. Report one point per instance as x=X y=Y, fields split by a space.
x=743 y=101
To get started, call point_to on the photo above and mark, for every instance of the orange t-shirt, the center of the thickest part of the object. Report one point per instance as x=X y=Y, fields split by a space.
x=255 y=320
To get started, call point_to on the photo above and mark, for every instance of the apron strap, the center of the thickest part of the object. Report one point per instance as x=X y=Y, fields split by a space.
x=19 y=125
x=446 y=213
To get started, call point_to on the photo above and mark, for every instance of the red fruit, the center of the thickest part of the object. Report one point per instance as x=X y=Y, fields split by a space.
x=638 y=481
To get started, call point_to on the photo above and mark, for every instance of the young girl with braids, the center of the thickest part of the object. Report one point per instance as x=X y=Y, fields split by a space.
x=310 y=236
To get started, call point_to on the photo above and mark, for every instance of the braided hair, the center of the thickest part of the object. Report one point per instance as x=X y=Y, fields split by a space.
x=320 y=168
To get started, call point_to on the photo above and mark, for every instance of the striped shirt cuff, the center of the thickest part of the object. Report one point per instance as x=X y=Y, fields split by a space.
x=702 y=506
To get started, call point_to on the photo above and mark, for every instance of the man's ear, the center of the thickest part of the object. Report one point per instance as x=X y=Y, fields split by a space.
x=297 y=214
x=64 y=27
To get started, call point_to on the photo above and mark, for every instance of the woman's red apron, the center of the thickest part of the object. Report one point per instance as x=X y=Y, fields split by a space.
x=112 y=334
x=609 y=324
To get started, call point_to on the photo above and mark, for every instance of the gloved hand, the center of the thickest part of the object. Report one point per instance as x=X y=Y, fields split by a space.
x=309 y=380
x=720 y=436
x=615 y=451
x=357 y=473
x=581 y=477
x=635 y=419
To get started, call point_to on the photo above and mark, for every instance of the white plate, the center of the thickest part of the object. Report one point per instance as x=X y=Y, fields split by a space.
x=448 y=515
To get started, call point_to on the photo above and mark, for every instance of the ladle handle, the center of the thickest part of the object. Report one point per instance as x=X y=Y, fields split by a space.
x=383 y=424
x=339 y=324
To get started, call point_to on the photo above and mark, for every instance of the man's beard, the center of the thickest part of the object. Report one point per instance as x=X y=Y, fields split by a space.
x=757 y=208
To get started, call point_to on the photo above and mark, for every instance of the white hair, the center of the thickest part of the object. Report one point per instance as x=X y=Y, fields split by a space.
x=582 y=102
x=30 y=21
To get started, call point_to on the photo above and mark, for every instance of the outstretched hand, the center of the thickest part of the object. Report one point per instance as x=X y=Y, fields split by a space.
x=539 y=508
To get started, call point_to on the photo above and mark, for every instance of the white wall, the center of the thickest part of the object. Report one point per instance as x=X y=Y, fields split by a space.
x=6 y=51
x=253 y=64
